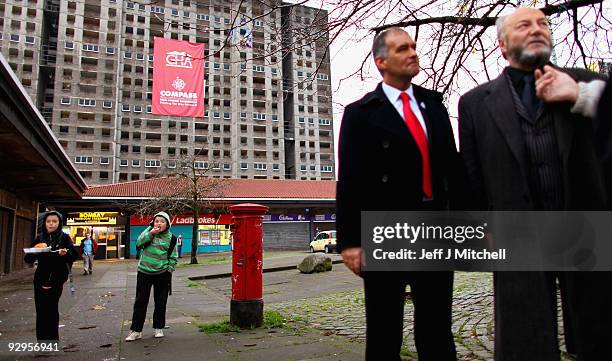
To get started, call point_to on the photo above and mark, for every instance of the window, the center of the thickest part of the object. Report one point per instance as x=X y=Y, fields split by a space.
x=69 y=45
x=83 y=159
x=227 y=166
x=110 y=50
x=310 y=121
x=139 y=56
x=65 y=101
x=274 y=71
x=29 y=40
x=141 y=7
x=313 y=167
x=301 y=120
x=276 y=166
x=200 y=165
x=150 y=57
x=242 y=66
x=275 y=117
x=216 y=66
x=259 y=116
x=127 y=55
x=125 y=107
x=259 y=166
x=174 y=12
x=152 y=163
x=326 y=168
x=203 y=17
x=171 y=164
x=324 y=122
x=244 y=166
x=130 y=5
x=14 y=38
x=90 y=47
x=259 y=68
x=157 y=9
x=149 y=109
x=226 y=67
x=104 y=160
x=107 y=104
x=186 y=14
x=227 y=116
x=243 y=115
x=87 y=102
x=258 y=23
x=321 y=76
x=137 y=108
x=216 y=115
x=226 y=21
x=303 y=168
x=123 y=162
x=135 y=163
x=217 y=19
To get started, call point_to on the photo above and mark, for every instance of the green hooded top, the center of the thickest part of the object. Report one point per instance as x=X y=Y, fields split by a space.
x=154 y=256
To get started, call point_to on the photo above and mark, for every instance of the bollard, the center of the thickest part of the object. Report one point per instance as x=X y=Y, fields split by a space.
x=246 y=307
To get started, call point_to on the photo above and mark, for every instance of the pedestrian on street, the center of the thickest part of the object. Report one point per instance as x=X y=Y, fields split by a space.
x=158 y=259
x=404 y=132
x=51 y=274
x=89 y=247
x=179 y=241
x=523 y=153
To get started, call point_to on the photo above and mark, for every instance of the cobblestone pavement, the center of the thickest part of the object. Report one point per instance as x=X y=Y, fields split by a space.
x=343 y=314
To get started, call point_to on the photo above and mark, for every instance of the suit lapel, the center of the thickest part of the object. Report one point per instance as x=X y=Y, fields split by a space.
x=424 y=105
x=387 y=117
x=502 y=109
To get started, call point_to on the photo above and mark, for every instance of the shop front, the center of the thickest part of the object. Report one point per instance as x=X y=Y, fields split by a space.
x=214 y=232
x=295 y=230
x=106 y=228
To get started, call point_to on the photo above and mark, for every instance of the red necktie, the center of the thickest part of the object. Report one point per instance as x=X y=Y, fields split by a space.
x=421 y=140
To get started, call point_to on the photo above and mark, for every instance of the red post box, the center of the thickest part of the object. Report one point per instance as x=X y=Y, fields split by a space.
x=246 y=307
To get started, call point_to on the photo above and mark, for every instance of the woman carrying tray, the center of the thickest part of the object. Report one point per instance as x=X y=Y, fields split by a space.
x=54 y=263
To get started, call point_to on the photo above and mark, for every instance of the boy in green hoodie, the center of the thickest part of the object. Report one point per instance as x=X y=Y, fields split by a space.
x=157 y=262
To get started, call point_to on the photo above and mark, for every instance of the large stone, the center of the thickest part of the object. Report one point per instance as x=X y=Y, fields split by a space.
x=315 y=263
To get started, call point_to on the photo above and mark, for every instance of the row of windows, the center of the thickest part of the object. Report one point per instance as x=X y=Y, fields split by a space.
x=302 y=120
x=16 y=38
x=256 y=68
x=84 y=102
x=149 y=163
x=320 y=76
x=186 y=14
x=260 y=166
x=324 y=168
x=81 y=159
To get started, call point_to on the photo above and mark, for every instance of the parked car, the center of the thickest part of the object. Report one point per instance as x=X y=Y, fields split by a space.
x=324 y=242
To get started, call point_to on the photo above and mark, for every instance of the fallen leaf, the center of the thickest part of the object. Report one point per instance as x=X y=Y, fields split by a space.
x=98 y=308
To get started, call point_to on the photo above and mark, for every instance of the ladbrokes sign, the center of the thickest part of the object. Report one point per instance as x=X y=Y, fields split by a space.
x=178 y=78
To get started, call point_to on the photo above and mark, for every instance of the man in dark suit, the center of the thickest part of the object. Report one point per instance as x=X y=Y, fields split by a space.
x=397 y=152
x=522 y=154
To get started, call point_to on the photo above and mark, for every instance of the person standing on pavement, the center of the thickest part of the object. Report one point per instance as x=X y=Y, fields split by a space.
x=157 y=262
x=523 y=154
x=51 y=274
x=179 y=244
x=89 y=247
x=397 y=152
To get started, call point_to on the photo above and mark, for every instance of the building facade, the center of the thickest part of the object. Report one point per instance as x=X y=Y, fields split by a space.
x=88 y=67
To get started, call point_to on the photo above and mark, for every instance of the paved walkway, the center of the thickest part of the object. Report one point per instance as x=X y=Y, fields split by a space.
x=324 y=316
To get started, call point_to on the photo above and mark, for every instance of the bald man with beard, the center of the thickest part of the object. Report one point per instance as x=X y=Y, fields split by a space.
x=523 y=154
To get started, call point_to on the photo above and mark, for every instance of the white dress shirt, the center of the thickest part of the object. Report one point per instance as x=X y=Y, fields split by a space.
x=393 y=94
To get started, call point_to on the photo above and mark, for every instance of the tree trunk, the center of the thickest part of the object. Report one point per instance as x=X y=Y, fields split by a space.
x=194 y=237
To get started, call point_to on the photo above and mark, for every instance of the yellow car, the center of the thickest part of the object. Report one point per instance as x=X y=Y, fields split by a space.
x=324 y=242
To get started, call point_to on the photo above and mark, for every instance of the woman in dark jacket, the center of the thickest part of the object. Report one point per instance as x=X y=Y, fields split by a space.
x=51 y=274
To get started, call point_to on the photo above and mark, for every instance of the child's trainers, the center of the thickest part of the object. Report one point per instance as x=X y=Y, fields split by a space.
x=133 y=336
x=159 y=333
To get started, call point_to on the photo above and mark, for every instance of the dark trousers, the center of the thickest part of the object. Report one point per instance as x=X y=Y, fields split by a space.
x=526 y=314
x=47 y=312
x=160 y=284
x=432 y=298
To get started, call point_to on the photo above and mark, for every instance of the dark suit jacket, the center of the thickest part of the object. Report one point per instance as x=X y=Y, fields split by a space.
x=493 y=149
x=380 y=163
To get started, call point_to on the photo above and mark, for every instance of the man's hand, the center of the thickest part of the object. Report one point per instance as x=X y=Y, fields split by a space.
x=62 y=251
x=555 y=86
x=352 y=258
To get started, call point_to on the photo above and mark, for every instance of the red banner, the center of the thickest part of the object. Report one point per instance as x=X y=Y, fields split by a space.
x=184 y=219
x=178 y=78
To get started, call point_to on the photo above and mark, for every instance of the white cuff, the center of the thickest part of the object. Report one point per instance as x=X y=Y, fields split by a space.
x=588 y=98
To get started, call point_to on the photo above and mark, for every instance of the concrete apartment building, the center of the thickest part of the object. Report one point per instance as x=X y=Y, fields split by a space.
x=88 y=67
